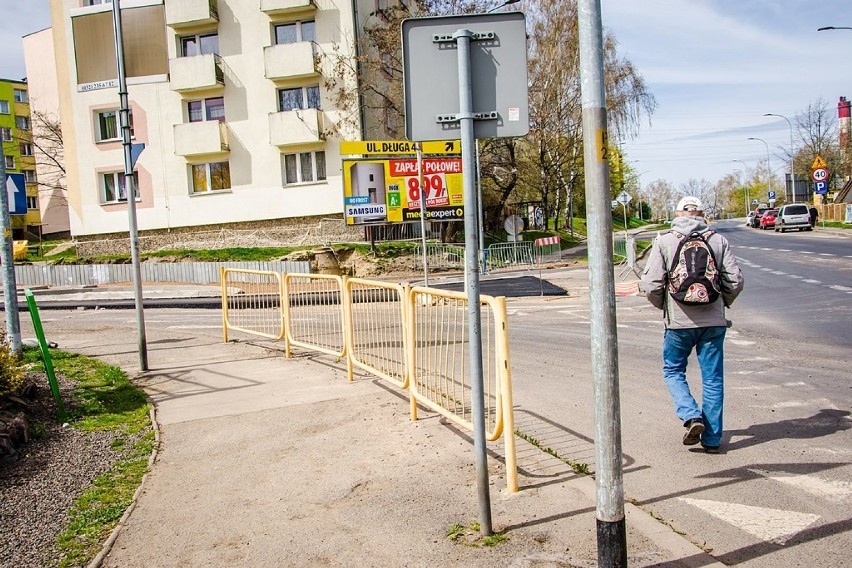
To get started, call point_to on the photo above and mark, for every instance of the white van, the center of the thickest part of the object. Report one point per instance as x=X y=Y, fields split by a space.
x=793 y=216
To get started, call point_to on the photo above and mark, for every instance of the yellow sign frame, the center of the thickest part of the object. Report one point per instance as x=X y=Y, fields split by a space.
x=398 y=147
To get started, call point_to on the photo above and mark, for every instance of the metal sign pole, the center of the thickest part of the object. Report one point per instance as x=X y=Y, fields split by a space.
x=609 y=476
x=471 y=269
x=130 y=188
x=7 y=255
x=422 y=189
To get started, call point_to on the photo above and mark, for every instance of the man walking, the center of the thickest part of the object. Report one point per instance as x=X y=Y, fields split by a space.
x=692 y=276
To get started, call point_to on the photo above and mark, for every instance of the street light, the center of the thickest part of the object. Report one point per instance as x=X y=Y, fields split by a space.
x=768 y=166
x=792 y=174
x=748 y=201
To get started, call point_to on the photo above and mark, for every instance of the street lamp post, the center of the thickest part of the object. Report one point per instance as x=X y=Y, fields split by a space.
x=768 y=166
x=792 y=155
x=747 y=200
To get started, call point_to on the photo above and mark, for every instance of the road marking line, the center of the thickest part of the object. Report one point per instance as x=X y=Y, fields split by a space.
x=778 y=272
x=766 y=269
x=811 y=281
x=795 y=276
x=807 y=252
x=784 y=250
x=795 y=384
x=830 y=490
x=840 y=288
x=774 y=525
x=825 y=254
x=764 y=248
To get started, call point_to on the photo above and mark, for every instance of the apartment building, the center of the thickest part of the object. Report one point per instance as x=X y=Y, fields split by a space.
x=238 y=104
x=18 y=156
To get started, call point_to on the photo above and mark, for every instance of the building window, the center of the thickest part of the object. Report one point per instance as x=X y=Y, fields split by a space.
x=6 y=134
x=30 y=176
x=298 y=98
x=199 y=44
x=10 y=162
x=215 y=176
x=32 y=202
x=20 y=96
x=294 y=32
x=4 y=107
x=106 y=126
x=114 y=187
x=304 y=167
x=207 y=109
x=26 y=149
x=22 y=122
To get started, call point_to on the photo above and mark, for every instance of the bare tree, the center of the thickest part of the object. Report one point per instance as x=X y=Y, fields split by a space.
x=818 y=132
x=48 y=151
x=661 y=195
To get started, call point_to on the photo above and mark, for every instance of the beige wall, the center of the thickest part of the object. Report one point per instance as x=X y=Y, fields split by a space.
x=44 y=100
x=257 y=191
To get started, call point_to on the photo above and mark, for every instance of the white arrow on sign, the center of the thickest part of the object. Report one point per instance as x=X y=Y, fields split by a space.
x=11 y=190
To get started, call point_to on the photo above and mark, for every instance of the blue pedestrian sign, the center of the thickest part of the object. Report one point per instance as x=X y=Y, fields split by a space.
x=16 y=190
x=821 y=187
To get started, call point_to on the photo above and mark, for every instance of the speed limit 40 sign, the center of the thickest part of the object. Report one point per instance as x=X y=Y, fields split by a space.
x=820 y=174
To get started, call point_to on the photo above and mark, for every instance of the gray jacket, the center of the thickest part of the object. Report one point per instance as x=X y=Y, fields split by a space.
x=655 y=277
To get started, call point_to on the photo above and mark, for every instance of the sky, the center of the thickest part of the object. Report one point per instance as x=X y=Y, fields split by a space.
x=715 y=68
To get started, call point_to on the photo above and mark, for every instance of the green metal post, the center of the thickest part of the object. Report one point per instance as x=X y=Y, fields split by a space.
x=45 y=353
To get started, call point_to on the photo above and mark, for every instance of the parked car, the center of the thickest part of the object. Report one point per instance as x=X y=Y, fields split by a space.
x=755 y=221
x=750 y=218
x=767 y=220
x=793 y=216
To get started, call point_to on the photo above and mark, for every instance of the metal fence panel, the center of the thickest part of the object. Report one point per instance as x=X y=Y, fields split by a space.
x=501 y=255
x=252 y=303
x=98 y=274
x=377 y=328
x=313 y=312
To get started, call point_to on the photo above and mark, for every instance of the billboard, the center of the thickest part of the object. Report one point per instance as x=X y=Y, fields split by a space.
x=388 y=190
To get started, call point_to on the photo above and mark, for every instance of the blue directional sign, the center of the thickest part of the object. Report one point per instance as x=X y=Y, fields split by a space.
x=771 y=196
x=821 y=187
x=16 y=190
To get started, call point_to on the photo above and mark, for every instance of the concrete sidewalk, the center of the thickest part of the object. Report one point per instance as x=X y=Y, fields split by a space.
x=266 y=461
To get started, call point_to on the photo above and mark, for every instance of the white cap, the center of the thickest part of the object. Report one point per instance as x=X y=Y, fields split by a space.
x=689 y=201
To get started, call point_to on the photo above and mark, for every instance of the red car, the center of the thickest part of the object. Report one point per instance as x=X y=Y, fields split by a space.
x=767 y=220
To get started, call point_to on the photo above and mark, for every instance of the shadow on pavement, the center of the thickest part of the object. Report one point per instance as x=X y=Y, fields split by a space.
x=515 y=287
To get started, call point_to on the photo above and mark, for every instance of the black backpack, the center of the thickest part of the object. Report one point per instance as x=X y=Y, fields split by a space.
x=694 y=277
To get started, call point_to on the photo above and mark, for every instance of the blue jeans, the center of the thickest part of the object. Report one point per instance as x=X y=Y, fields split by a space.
x=709 y=347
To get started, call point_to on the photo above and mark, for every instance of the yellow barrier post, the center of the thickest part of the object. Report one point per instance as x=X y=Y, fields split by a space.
x=410 y=349
x=224 y=303
x=505 y=371
x=348 y=339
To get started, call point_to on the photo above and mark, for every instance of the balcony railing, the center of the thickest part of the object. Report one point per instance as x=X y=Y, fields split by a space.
x=294 y=127
x=285 y=7
x=290 y=61
x=198 y=138
x=195 y=73
x=191 y=13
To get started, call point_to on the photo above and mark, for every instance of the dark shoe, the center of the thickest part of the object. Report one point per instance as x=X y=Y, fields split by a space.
x=710 y=449
x=694 y=429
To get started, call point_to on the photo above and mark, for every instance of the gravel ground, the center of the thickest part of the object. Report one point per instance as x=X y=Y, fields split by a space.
x=38 y=489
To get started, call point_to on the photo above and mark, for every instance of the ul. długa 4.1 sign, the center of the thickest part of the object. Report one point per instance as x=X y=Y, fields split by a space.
x=388 y=191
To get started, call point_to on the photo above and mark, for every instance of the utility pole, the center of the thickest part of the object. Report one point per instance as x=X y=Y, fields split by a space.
x=130 y=186
x=7 y=256
x=611 y=527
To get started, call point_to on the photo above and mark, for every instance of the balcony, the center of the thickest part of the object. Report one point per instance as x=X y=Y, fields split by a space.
x=290 y=61
x=287 y=7
x=191 y=13
x=295 y=127
x=199 y=138
x=196 y=73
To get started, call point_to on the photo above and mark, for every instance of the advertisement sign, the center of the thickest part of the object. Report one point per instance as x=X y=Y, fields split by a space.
x=388 y=191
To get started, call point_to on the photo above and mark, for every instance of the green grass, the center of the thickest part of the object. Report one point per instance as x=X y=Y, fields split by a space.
x=469 y=535
x=104 y=400
x=578 y=467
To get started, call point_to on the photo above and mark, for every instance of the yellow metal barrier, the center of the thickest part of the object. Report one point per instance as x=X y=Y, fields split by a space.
x=438 y=364
x=376 y=315
x=314 y=317
x=252 y=302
